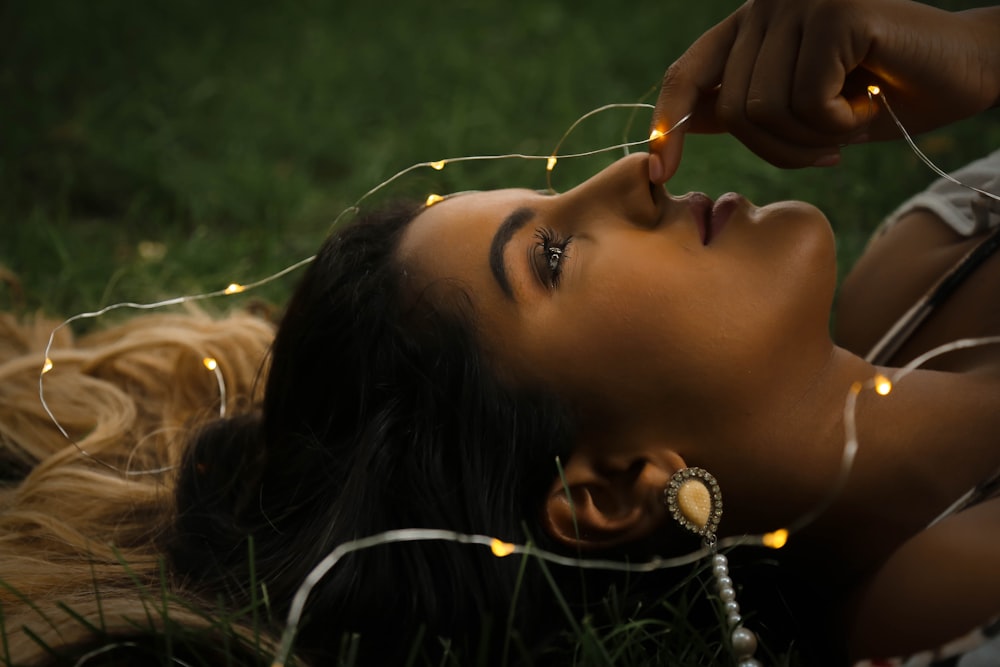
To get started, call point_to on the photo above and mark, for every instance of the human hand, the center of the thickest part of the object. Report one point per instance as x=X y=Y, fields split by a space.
x=789 y=78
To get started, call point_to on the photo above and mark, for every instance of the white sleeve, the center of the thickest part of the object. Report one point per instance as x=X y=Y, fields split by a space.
x=965 y=211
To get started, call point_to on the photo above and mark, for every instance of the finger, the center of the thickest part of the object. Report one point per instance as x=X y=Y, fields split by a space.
x=832 y=49
x=696 y=72
x=868 y=105
x=731 y=108
x=771 y=92
x=776 y=143
x=860 y=100
x=691 y=77
x=665 y=156
x=783 y=153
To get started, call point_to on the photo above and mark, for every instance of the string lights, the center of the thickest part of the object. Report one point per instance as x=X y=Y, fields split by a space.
x=875 y=91
x=49 y=364
x=882 y=385
x=498 y=548
x=776 y=539
x=238 y=288
x=212 y=365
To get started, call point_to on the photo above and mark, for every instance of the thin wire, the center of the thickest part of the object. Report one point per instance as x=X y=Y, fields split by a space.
x=625 y=146
x=848 y=456
x=569 y=131
x=414 y=534
x=504 y=156
x=850 y=426
x=851 y=431
x=918 y=313
x=920 y=153
x=222 y=389
x=107 y=648
x=320 y=570
x=435 y=164
x=103 y=649
x=960 y=344
x=48 y=364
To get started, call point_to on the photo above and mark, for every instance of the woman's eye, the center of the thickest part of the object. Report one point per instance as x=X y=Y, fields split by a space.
x=550 y=252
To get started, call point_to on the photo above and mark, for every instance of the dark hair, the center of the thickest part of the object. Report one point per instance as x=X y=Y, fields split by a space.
x=380 y=412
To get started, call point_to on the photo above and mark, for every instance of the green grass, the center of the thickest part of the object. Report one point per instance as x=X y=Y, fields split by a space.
x=152 y=149
x=663 y=634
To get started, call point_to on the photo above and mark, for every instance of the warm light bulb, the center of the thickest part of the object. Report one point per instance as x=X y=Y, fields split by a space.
x=775 y=540
x=874 y=90
x=438 y=165
x=882 y=385
x=501 y=548
x=210 y=363
x=551 y=163
x=656 y=134
x=234 y=288
x=48 y=365
x=433 y=199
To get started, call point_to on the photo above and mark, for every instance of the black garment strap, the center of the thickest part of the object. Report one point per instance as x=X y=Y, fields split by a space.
x=903 y=329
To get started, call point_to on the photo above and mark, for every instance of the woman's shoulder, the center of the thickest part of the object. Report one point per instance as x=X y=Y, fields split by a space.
x=963 y=209
x=941 y=584
x=980 y=647
x=925 y=239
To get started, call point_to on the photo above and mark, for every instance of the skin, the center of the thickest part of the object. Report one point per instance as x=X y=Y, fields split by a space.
x=637 y=270
x=788 y=78
x=677 y=353
x=916 y=252
x=960 y=551
x=693 y=318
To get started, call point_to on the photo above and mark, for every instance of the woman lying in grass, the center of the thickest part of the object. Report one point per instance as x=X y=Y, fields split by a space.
x=538 y=368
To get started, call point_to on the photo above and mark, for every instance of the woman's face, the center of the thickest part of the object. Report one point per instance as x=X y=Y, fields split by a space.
x=639 y=308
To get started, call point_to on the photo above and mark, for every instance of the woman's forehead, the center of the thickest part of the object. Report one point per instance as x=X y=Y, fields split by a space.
x=461 y=219
x=469 y=201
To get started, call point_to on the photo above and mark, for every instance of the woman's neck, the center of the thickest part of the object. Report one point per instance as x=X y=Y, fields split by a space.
x=919 y=448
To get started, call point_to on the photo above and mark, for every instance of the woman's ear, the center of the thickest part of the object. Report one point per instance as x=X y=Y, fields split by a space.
x=599 y=503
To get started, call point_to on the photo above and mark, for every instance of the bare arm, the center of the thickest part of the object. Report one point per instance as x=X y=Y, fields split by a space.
x=938 y=586
x=899 y=268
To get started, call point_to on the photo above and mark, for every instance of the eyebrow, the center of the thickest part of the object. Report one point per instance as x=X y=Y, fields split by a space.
x=505 y=232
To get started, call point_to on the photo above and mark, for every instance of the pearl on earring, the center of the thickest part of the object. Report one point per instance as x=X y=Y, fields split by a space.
x=694 y=499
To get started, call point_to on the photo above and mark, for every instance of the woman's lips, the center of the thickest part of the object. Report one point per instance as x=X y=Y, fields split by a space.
x=711 y=216
x=721 y=212
x=701 y=209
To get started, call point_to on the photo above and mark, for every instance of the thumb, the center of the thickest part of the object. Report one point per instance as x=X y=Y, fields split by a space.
x=688 y=86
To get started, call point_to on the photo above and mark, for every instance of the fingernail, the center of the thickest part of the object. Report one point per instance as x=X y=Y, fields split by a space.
x=859 y=138
x=827 y=160
x=655 y=168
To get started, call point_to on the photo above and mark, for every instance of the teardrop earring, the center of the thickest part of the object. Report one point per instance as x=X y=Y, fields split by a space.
x=695 y=502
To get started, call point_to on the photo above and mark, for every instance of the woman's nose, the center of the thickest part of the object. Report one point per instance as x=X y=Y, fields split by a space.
x=627 y=170
x=623 y=188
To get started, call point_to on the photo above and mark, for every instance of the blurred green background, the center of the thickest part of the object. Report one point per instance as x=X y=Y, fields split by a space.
x=149 y=149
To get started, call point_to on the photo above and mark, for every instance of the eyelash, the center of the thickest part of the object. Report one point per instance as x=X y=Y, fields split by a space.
x=551 y=247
